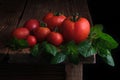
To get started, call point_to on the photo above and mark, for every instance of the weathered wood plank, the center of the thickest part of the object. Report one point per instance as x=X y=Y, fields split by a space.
x=10 y=14
x=15 y=16
x=14 y=13
x=38 y=8
x=74 y=72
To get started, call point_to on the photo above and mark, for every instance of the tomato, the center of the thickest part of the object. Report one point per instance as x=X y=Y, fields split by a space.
x=76 y=30
x=31 y=40
x=41 y=33
x=55 y=38
x=47 y=17
x=20 y=33
x=54 y=20
x=31 y=24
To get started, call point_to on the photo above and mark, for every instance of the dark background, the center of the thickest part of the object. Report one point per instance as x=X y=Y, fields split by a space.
x=105 y=12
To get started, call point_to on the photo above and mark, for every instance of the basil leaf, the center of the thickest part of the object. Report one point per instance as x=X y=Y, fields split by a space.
x=106 y=56
x=35 y=50
x=16 y=43
x=86 y=49
x=58 y=58
x=74 y=58
x=22 y=43
x=70 y=48
x=95 y=31
x=49 y=48
x=108 y=41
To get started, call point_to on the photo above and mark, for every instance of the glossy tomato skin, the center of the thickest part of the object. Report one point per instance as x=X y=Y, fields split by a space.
x=81 y=30
x=55 y=38
x=20 y=33
x=41 y=33
x=54 y=21
x=31 y=40
x=47 y=17
x=67 y=30
x=77 y=31
x=31 y=24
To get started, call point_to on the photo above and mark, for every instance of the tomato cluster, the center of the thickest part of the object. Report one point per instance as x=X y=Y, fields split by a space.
x=59 y=29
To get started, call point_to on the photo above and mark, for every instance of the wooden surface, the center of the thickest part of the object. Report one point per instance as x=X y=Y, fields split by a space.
x=13 y=13
x=74 y=72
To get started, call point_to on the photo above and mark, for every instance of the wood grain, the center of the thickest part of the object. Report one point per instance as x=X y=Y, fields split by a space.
x=74 y=72
x=10 y=13
x=13 y=13
x=37 y=9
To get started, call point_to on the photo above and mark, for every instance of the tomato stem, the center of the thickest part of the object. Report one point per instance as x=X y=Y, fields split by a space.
x=42 y=24
x=56 y=29
x=57 y=13
x=75 y=17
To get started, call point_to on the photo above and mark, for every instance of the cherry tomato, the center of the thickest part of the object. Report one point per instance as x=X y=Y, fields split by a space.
x=31 y=40
x=76 y=30
x=54 y=20
x=31 y=24
x=55 y=38
x=20 y=33
x=47 y=17
x=41 y=33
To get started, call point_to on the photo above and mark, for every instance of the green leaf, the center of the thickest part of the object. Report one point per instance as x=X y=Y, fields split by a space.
x=86 y=49
x=35 y=50
x=49 y=48
x=70 y=48
x=108 y=41
x=58 y=58
x=22 y=43
x=106 y=56
x=95 y=31
x=74 y=58
x=16 y=43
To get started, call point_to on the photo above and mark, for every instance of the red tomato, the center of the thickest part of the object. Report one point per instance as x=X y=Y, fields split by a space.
x=47 y=17
x=53 y=20
x=77 y=31
x=31 y=40
x=31 y=24
x=20 y=33
x=41 y=33
x=55 y=38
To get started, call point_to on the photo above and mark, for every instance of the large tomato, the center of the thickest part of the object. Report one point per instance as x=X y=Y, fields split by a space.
x=55 y=38
x=41 y=33
x=54 y=20
x=75 y=29
x=20 y=33
x=31 y=24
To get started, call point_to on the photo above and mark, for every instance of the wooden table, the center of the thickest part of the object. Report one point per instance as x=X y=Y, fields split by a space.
x=13 y=13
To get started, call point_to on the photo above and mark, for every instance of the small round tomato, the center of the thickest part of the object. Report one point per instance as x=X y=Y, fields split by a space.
x=54 y=20
x=31 y=40
x=55 y=38
x=76 y=29
x=41 y=33
x=31 y=24
x=47 y=17
x=20 y=33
